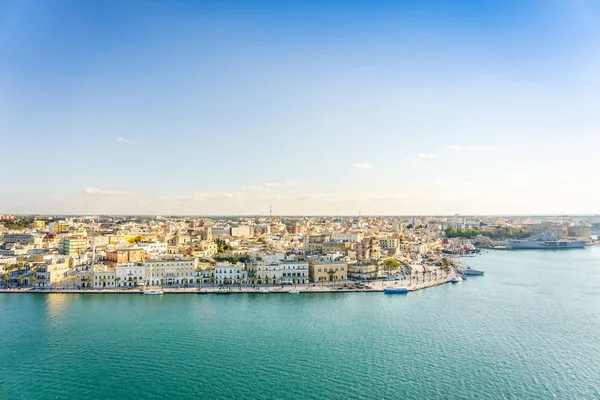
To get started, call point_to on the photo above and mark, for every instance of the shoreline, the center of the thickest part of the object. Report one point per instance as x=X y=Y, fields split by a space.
x=244 y=290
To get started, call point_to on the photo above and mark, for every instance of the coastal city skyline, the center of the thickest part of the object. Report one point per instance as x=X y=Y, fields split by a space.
x=266 y=199
x=211 y=108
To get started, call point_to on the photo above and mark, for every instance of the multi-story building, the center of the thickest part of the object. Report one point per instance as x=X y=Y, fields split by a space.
x=321 y=270
x=267 y=272
x=334 y=247
x=52 y=270
x=153 y=247
x=73 y=246
x=58 y=227
x=388 y=243
x=104 y=277
x=170 y=271
x=125 y=256
x=293 y=229
x=241 y=231
x=208 y=248
x=38 y=225
x=364 y=270
x=203 y=275
x=130 y=274
x=581 y=232
x=293 y=272
x=227 y=273
x=24 y=239
x=368 y=248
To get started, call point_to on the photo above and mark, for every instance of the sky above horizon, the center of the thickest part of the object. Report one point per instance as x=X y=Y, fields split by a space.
x=227 y=107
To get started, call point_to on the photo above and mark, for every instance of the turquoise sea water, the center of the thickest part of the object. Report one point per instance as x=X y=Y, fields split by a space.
x=529 y=329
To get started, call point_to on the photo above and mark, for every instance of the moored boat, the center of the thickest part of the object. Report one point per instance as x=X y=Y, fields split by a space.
x=545 y=241
x=154 y=292
x=456 y=279
x=294 y=292
x=265 y=291
x=473 y=272
x=223 y=291
x=395 y=290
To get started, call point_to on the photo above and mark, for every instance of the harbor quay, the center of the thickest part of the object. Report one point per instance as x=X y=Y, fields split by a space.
x=338 y=287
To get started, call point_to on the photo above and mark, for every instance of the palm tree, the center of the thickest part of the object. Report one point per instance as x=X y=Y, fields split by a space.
x=117 y=280
x=6 y=279
x=267 y=279
x=423 y=274
x=21 y=279
x=103 y=280
x=33 y=280
x=162 y=282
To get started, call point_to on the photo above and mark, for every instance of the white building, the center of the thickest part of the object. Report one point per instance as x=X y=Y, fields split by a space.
x=203 y=275
x=154 y=247
x=241 y=231
x=294 y=272
x=225 y=272
x=52 y=270
x=130 y=274
x=170 y=271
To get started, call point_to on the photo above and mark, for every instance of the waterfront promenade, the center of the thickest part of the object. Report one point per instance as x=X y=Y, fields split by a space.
x=338 y=287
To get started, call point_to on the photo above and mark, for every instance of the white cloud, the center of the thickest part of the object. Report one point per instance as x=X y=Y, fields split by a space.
x=286 y=183
x=123 y=140
x=254 y=187
x=425 y=155
x=471 y=147
x=106 y=192
x=364 y=166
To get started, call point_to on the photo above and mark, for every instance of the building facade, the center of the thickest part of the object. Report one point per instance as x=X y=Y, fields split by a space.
x=170 y=271
x=328 y=271
x=73 y=246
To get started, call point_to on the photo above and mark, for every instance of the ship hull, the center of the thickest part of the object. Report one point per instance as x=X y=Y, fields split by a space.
x=515 y=245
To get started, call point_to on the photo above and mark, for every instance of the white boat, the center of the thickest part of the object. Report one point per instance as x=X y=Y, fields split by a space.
x=223 y=291
x=154 y=292
x=456 y=279
x=294 y=292
x=474 y=272
x=265 y=291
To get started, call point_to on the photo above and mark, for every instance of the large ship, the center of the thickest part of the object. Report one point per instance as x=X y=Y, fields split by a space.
x=545 y=241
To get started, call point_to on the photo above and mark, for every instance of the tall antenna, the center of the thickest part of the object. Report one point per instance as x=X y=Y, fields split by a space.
x=270 y=214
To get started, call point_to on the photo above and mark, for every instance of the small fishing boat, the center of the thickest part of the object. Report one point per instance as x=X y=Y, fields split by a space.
x=224 y=291
x=456 y=279
x=153 y=292
x=294 y=292
x=265 y=291
x=395 y=290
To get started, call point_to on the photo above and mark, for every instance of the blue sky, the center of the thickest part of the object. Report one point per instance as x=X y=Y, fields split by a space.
x=225 y=107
